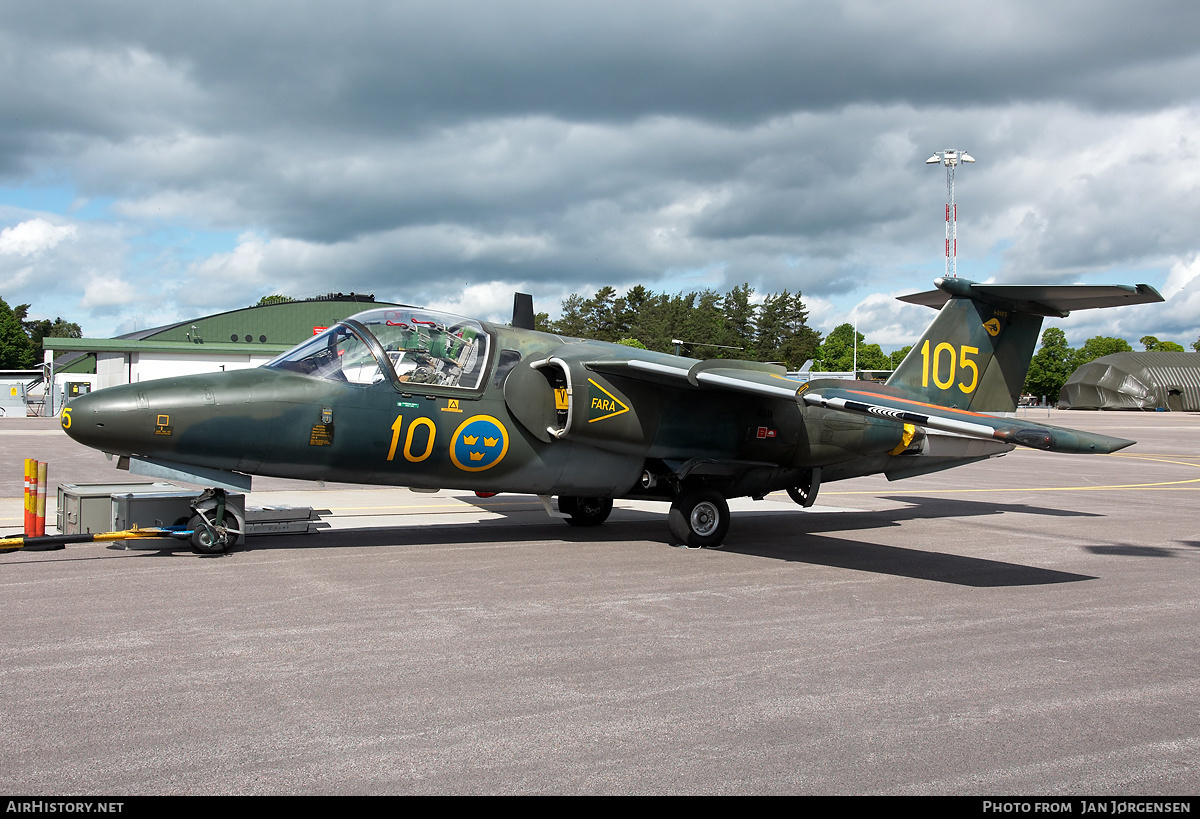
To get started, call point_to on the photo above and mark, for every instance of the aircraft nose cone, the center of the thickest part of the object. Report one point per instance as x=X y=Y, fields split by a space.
x=101 y=419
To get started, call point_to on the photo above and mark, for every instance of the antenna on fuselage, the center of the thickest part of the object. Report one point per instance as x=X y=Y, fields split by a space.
x=522 y=311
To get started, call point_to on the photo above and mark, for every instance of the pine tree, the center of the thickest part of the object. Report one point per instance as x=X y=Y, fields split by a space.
x=572 y=322
x=739 y=317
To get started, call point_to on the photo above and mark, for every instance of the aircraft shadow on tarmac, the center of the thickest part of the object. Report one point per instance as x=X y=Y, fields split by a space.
x=779 y=534
x=804 y=541
x=1136 y=550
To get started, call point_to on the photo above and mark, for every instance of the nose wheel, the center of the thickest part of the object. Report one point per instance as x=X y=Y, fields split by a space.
x=699 y=518
x=213 y=539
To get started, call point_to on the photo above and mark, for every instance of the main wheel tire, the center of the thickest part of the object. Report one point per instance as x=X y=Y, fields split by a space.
x=203 y=540
x=699 y=518
x=585 y=511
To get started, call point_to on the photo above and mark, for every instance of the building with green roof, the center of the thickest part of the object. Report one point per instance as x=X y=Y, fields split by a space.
x=232 y=340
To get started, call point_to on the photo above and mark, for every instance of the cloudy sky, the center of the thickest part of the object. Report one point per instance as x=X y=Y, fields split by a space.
x=162 y=161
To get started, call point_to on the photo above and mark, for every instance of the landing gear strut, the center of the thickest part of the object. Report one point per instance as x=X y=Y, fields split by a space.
x=699 y=517
x=214 y=529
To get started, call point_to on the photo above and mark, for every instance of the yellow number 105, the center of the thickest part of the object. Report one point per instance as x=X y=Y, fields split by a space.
x=955 y=363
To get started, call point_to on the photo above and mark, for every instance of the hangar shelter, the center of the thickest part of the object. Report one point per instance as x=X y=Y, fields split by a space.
x=1135 y=381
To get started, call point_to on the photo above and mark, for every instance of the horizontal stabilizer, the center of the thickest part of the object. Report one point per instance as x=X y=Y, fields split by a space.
x=1037 y=299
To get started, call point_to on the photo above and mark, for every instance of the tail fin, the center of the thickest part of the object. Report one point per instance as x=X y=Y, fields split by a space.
x=976 y=353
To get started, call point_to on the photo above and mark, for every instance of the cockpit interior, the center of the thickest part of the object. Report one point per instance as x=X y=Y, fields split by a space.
x=406 y=346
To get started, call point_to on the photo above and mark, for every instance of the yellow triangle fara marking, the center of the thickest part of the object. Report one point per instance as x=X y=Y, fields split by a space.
x=616 y=400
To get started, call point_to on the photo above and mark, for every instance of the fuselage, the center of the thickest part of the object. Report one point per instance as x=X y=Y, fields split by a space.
x=422 y=399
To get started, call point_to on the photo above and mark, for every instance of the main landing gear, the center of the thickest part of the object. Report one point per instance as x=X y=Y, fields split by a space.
x=585 y=511
x=699 y=517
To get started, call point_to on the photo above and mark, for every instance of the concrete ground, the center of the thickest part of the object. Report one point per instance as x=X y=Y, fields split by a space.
x=1026 y=625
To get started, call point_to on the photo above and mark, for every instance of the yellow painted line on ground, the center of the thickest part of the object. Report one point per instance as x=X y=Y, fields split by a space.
x=454 y=507
x=450 y=502
x=1156 y=486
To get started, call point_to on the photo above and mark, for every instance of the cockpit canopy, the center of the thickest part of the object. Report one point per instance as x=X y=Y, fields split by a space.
x=406 y=346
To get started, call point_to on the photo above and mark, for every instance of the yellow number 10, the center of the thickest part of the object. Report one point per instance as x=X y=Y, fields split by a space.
x=409 y=455
x=961 y=361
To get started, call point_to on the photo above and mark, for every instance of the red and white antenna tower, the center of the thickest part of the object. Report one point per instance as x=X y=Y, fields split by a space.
x=950 y=158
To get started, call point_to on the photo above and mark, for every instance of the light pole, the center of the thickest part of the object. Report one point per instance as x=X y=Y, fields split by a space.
x=950 y=158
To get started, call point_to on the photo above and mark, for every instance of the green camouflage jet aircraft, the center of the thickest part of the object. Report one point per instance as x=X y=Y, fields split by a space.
x=410 y=397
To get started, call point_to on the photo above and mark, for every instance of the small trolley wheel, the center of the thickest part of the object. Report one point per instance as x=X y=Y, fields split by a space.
x=203 y=540
x=585 y=511
x=699 y=518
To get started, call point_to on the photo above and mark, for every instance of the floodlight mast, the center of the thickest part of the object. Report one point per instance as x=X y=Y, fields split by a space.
x=950 y=158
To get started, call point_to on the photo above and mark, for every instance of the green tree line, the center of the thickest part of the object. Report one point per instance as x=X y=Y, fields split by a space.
x=838 y=353
x=777 y=330
x=21 y=337
x=774 y=330
x=1054 y=362
x=710 y=324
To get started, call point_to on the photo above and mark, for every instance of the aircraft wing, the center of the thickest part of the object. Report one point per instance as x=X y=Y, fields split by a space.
x=737 y=376
x=769 y=382
x=973 y=424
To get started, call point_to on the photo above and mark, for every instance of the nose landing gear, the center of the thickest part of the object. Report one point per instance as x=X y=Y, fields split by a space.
x=214 y=529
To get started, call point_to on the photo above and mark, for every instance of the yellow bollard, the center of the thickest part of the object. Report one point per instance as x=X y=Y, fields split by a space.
x=28 y=497
x=39 y=527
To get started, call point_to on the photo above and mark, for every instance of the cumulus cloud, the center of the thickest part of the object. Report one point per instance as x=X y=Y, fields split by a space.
x=102 y=292
x=32 y=237
x=447 y=153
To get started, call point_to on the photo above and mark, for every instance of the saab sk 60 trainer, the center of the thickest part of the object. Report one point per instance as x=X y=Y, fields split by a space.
x=410 y=397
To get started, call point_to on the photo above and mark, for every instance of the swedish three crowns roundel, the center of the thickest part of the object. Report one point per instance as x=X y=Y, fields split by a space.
x=479 y=443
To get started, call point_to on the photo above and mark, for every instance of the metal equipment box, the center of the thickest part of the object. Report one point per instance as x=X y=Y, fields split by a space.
x=87 y=507
x=12 y=399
